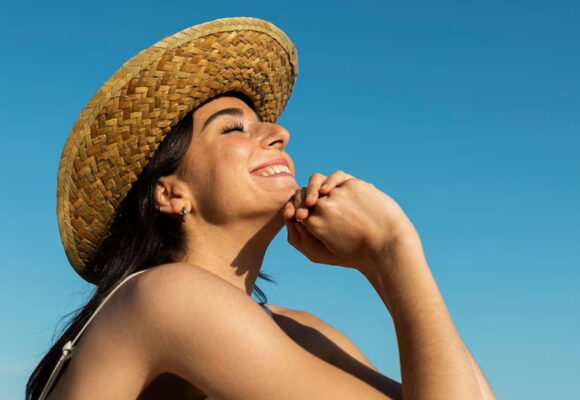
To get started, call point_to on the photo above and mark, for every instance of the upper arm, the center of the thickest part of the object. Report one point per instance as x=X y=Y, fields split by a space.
x=214 y=335
x=344 y=354
x=343 y=346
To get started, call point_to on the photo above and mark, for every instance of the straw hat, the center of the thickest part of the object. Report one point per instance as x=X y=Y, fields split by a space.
x=121 y=127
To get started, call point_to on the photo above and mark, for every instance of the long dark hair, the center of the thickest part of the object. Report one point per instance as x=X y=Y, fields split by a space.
x=139 y=238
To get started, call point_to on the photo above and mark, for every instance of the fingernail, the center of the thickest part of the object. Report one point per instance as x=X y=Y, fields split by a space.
x=310 y=197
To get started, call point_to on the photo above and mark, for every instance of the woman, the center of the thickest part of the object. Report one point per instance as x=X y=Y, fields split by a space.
x=172 y=184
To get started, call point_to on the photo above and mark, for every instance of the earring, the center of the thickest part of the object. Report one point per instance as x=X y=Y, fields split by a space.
x=183 y=214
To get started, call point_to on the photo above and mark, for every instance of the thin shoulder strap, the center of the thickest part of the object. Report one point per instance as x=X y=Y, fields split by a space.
x=69 y=346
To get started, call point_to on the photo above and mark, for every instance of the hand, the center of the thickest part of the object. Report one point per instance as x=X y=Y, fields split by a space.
x=342 y=220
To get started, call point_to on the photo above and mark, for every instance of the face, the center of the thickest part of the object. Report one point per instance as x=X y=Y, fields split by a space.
x=236 y=166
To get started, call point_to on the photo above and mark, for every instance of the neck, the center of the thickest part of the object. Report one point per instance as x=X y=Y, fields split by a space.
x=232 y=251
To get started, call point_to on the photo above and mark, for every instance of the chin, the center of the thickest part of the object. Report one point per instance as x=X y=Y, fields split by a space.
x=288 y=193
x=272 y=210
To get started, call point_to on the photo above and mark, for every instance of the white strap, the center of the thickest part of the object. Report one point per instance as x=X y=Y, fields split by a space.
x=69 y=346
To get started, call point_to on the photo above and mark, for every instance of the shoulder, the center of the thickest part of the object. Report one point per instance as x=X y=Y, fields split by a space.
x=180 y=307
x=136 y=322
x=179 y=289
x=185 y=285
x=175 y=274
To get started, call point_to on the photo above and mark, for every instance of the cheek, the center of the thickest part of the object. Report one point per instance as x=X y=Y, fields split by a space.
x=223 y=167
x=233 y=156
x=233 y=164
x=237 y=147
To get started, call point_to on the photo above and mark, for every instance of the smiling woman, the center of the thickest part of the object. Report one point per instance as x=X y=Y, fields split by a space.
x=172 y=185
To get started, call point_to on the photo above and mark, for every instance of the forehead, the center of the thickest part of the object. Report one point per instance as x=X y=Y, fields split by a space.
x=211 y=107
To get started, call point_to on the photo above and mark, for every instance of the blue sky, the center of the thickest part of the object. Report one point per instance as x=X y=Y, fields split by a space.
x=466 y=113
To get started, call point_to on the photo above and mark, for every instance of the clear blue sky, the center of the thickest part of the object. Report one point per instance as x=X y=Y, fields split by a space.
x=466 y=113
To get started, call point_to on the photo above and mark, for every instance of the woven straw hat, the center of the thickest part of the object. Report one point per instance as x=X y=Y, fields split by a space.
x=123 y=124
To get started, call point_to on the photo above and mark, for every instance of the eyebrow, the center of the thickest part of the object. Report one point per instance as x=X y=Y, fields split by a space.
x=236 y=112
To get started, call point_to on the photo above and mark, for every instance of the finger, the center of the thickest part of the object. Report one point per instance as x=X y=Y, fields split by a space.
x=309 y=245
x=314 y=184
x=289 y=211
x=301 y=211
x=335 y=179
x=312 y=224
x=303 y=234
x=293 y=236
x=306 y=228
x=298 y=197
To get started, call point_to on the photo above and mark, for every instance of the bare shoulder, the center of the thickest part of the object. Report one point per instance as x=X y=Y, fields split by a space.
x=120 y=342
x=180 y=281
x=177 y=290
x=176 y=275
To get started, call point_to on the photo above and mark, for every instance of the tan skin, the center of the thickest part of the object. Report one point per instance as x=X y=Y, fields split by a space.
x=190 y=328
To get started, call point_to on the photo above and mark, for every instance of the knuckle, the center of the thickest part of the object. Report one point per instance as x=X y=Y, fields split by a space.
x=310 y=222
x=321 y=203
x=316 y=176
x=352 y=182
x=324 y=204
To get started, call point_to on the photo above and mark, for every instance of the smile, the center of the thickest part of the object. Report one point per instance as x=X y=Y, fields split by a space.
x=275 y=169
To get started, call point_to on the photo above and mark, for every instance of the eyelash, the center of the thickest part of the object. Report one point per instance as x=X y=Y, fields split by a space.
x=235 y=127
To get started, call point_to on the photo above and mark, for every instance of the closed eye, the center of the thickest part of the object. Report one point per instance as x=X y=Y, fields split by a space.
x=238 y=126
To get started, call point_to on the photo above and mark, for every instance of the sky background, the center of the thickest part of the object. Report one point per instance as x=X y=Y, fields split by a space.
x=466 y=113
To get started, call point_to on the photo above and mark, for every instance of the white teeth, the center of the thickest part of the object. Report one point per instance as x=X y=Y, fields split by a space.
x=275 y=169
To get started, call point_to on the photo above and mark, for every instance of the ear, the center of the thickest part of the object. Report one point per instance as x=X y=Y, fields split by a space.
x=172 y=194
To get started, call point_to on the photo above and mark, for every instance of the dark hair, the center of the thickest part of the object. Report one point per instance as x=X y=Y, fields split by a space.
x=139 y=238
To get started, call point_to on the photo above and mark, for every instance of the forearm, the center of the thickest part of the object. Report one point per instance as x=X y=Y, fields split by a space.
x=485 y=389
x=434 y=360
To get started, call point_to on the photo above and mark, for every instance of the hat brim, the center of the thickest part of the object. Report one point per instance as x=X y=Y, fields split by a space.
x=123 y=124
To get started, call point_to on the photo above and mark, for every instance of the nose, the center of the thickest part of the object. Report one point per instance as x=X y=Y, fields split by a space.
x=274 y=136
